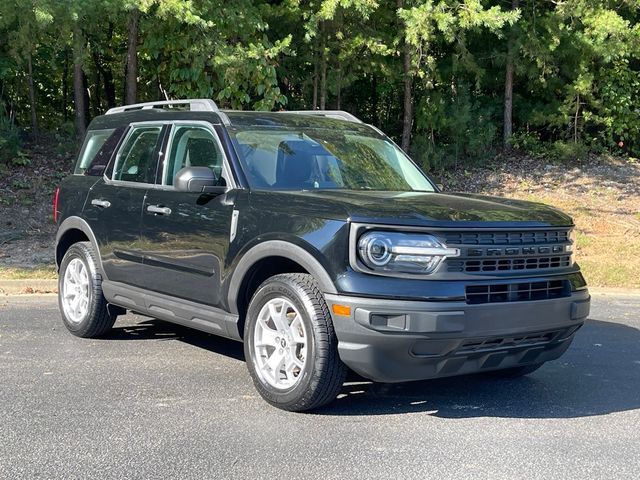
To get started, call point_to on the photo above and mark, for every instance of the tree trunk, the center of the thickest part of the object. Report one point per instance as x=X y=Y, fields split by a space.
x=87 y=98
x=131 y=81
x=338 y=26
x=575 y=119
x=407 y=116
x=339 y=87
x=104 y=76
x=107 y=73
x=109 y=87
x=374 y=101
x=315 y=81
x=78 y=84
x=323 y=68
x=65 y=86
x=508 y=86
x=508 y=103
x=97 y=103
x=32 y=97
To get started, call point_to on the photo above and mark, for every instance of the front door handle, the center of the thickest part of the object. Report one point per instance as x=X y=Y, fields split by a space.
x=96 y=202
x=159 y=210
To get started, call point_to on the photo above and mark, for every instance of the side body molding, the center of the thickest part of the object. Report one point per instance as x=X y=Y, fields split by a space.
x=78 y=223
x=277 y=248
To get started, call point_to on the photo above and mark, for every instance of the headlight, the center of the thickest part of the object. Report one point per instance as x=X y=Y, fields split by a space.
x=402 y=252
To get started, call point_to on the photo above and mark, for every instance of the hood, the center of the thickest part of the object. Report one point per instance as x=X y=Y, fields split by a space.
x=420 y=208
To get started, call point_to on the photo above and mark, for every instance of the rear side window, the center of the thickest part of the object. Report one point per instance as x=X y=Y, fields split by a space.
x=137 y=159
x=93 y=143
x=101 y=160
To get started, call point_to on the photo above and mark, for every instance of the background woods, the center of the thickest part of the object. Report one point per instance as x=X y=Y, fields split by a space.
x=451 y=81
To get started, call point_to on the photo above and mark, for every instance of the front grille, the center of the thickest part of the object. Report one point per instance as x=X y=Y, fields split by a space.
x=508 y=264
x=532 y=237
x=496 y=252
x=517 y=292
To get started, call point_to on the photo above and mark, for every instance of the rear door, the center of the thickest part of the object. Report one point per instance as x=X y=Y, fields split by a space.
x=114 y=206
x=186 y=236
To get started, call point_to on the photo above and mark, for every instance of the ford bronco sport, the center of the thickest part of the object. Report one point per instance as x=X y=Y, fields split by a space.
x=312 y=238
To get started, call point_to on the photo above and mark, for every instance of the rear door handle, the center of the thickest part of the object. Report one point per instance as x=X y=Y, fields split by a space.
x=96 y=202
x=159 y=210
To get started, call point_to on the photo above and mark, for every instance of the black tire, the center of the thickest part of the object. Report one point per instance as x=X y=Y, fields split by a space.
x=515 y=372
x=98 y=320
x=324 y=373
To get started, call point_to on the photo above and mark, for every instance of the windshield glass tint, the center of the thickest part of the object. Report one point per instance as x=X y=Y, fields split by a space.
x=316 y=158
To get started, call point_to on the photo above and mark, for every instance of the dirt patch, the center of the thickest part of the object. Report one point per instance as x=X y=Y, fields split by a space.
x=26 y=209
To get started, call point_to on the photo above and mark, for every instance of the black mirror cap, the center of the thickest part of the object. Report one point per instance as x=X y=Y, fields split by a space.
x=194 y=179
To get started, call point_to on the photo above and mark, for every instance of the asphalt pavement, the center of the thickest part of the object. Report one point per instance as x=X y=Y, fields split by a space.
x=155 y=400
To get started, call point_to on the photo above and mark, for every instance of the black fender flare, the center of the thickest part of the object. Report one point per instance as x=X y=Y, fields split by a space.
x=77 y=223
x=277 y=248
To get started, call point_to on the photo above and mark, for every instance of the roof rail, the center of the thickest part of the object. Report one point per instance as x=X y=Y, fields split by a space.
x=340 y=114
x=195 y=105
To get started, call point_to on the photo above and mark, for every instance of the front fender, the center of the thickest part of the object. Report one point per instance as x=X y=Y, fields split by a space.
x=279 y=248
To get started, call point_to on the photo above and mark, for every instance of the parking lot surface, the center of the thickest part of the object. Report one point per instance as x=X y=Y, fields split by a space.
x=155 y=400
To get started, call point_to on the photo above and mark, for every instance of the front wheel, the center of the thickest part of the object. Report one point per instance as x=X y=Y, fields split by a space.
x=84 y=309
x=290 y=345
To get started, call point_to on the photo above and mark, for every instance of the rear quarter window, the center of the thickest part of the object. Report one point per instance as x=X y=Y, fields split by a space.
x=97 y=150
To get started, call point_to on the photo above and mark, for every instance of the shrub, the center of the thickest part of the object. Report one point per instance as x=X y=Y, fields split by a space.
x=10 y=144
x=566 y=152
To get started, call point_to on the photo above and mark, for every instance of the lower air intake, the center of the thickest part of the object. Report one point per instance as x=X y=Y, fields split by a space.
x=517 y=292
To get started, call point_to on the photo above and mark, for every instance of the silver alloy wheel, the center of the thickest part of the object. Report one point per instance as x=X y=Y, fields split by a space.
x=280 y=344
x=75 y=291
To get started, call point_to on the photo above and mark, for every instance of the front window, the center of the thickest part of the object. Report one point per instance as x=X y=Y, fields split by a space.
x=193 y=146
x=279 y=158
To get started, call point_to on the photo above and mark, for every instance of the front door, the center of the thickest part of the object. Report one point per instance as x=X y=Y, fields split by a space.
x=186 y=235
x=114 y=205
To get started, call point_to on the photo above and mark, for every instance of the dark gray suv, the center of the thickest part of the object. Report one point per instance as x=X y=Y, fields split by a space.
x=312 y=238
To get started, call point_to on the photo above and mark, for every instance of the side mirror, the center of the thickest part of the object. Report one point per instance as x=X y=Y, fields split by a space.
x=440 y=186
x=196 y=180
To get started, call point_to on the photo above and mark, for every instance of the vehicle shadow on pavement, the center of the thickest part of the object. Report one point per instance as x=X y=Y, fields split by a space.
x=599 y=374
x=153 y=329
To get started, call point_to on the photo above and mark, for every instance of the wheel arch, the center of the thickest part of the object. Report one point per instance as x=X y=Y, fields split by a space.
x=73 y=230
x=275 y=256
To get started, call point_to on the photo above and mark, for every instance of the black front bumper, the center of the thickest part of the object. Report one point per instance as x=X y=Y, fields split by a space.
x=399 y=340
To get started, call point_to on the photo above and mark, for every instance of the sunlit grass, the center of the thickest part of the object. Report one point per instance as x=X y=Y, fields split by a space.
x=21 y=273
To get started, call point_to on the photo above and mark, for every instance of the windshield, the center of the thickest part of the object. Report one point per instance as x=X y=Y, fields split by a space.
x=279 y=158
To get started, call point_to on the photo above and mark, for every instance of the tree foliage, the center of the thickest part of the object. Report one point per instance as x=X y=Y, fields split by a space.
x=433 y=70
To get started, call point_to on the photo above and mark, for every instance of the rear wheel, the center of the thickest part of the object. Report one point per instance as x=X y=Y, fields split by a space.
x=84 y=309
x=290 y=345
x=515 y=372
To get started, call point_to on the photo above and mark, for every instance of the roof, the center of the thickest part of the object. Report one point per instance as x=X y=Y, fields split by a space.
x=243 y=119
x=207 y=110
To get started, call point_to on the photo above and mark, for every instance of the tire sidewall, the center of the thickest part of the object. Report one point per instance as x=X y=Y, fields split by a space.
x=78 y=251
x=269 y=290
